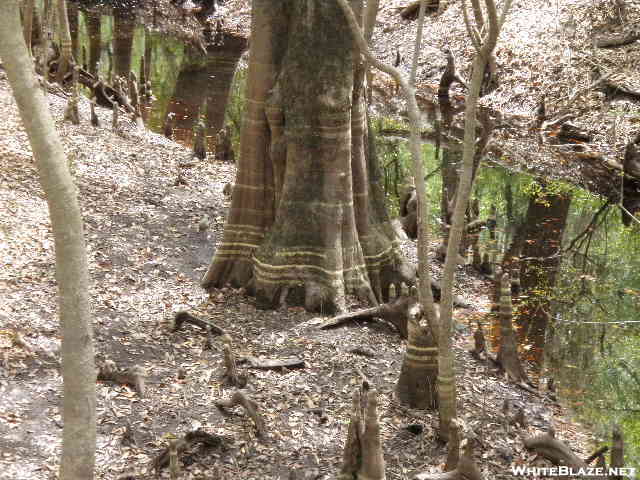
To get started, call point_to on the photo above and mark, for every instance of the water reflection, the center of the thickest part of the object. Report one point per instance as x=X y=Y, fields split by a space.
x=580 y=274
x=187 y=80
x=202 y=87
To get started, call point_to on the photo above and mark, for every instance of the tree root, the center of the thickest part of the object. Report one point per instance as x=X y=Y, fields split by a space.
x=231 y=377
x=132 y=377
x=250 y=407
x=207 y=440
x=465 y=470
x=183 y=317
x=396 y=312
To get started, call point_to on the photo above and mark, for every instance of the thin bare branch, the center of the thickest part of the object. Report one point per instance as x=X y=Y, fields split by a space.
x=370 y=15
x=474 y=36
x=418 y=44
x=477 y=13
x=426 y=295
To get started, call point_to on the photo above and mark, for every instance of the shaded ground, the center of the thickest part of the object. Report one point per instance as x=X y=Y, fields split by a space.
x=146 y=257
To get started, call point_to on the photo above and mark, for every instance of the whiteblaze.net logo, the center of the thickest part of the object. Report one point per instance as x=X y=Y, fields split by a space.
x=562 y=471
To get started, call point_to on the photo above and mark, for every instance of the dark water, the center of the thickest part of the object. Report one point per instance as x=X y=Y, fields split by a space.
x=189 y=81
x=590 y=303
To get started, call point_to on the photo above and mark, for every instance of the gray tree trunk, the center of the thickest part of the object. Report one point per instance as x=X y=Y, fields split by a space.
x=78 y=371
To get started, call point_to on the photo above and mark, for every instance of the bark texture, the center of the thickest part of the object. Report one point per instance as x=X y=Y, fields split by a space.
x=363 y=456
x=305 y=225
x=416 y=385
x=66 y=47
x=95 y=45
x=78 y=409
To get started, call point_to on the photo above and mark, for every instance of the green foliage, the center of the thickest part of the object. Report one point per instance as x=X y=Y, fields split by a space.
x=236 y=105
x=397 y=170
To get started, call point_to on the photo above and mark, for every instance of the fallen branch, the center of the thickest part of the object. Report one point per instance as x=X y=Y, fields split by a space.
x=554 y=450
x=272 y=364
x=396 y=312
x=616 y=40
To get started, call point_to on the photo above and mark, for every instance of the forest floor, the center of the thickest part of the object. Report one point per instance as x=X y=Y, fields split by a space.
x=146 y=257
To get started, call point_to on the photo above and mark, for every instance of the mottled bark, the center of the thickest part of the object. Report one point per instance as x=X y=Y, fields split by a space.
x=65 y=63
x=303 y=227
x=78 y=371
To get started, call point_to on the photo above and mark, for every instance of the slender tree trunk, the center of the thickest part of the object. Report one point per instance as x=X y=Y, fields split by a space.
x=66 y=47
x=72 y=15
x=446 y=373
x=446 y=365
x=78 y=409
x=46 y=34
x=28 y=23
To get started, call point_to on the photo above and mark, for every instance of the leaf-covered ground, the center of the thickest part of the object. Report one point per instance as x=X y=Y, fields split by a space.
x=146 y=257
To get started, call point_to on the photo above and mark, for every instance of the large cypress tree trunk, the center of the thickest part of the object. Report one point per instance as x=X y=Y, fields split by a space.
x=302 y=226
x=79 y=401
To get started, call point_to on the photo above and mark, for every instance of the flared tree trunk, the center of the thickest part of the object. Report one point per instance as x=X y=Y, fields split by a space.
x=78 y=371
x=305 y=224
